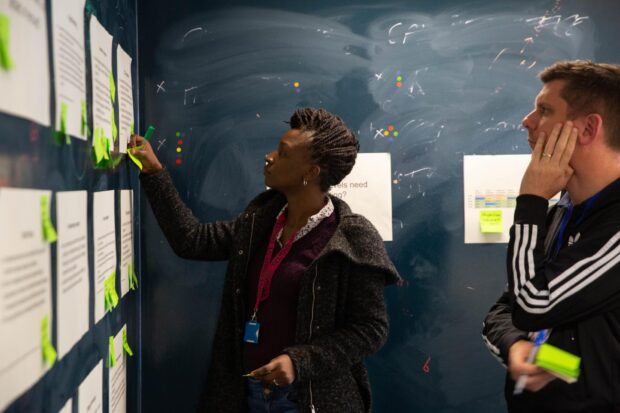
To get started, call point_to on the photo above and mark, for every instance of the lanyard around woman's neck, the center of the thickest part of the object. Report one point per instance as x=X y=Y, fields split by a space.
x=271 y=265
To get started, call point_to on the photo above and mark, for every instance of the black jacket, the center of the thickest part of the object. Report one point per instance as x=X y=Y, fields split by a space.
x=341 y=314
x=572 y=287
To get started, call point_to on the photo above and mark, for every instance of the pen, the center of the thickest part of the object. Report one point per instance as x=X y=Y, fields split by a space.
x=541 y=337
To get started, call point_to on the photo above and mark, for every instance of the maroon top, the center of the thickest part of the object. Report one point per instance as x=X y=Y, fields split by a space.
x=278 y=314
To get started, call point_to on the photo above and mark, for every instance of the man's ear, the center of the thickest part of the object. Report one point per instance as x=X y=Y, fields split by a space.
x=592 y=128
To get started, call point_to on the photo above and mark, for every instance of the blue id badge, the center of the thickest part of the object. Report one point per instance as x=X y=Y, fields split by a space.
x=251 y=332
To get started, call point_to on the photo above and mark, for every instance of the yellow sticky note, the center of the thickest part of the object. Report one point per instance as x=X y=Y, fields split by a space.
x=491 y=221
x=133 y=279
x=112 y=87
x=126 y=344
x=111 y=297
x=48 y=352
x=84 y=125
x=111 y=356
x=114 y=129
x=6 y=62
x=134 y=159
x=49 y=233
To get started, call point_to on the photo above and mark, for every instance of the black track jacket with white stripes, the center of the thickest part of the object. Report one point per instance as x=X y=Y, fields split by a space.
x=564 y=273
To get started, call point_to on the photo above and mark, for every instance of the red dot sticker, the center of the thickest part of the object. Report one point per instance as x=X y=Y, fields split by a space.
x=178 y=162
x=180 y=142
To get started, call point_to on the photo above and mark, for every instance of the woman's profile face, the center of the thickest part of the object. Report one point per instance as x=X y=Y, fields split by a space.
x=286 y=166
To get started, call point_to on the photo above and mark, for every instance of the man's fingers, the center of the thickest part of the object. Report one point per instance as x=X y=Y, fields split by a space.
x=538 y=148
x=552 y=139
x=570 y=146
x=562 y=141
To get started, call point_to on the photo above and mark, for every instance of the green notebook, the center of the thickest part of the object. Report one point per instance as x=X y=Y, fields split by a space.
x=558 y=362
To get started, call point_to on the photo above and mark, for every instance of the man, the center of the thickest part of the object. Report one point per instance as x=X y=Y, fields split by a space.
x=563 y=265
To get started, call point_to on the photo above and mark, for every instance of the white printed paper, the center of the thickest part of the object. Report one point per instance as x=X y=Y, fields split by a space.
x=25 y=88
x=104 y=240
x=72 y=281
x=69 y=65
x=126 y=228
x=101 y=67
x=25 y=291
x=90 y=396
x=492 y=182
x=68 y=407
x=117 y=382
x=368 y=190
x=125 y=98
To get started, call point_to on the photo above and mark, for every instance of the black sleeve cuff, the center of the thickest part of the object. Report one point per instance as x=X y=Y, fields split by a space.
x=531 y=209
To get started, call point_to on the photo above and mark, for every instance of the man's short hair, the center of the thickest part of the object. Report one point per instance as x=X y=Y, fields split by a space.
x=590 y=88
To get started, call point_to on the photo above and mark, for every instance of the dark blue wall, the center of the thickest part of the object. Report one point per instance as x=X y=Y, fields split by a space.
x=221 y=74
x=31 y=160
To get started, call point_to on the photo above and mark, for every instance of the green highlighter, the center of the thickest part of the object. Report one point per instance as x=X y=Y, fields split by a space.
x=558 y=362
x=149 y=132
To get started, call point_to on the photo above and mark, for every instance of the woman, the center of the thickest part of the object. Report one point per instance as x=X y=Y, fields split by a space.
x=303 y=300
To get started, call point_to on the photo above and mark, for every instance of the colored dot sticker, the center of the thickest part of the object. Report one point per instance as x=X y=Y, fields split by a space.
x=296 y=84
x=178 y=162
x=180 y=142
x=178 y=134
x=399 y=84
x=390 y=132
x=399 y=79
x=178 y=149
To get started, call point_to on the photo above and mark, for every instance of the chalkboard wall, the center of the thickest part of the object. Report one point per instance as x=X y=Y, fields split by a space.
x=218 y=79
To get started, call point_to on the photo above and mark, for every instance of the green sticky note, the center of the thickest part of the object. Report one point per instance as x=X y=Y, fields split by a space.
x=84 y=123
x=48 y=352
x=63 y=122
x=101 y=148
x=491 y=221
x=149 y=132
x=558 y=361
x=112 y=87
x=110 y=295
x=49 y=233
x=134 y=159
x=126 y=344
x=6 y=62
x=111 y=356
x=114 y=129
x=133 y=279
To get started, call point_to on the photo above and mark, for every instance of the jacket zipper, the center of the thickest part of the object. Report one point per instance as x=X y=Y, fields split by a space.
x=316 y=274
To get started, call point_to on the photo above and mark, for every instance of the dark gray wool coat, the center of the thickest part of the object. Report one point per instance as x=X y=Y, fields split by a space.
x=341 y=314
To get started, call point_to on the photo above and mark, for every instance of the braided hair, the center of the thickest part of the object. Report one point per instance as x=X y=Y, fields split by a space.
x=332 y=144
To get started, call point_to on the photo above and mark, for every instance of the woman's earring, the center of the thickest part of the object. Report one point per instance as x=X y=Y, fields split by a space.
x=305 y=182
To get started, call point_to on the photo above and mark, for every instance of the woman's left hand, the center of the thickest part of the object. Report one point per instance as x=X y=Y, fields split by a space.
x=279 y=371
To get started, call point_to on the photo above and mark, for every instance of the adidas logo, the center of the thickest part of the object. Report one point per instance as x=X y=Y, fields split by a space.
x=572 y=239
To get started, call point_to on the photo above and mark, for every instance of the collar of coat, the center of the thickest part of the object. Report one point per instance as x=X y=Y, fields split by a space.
x=355 y=237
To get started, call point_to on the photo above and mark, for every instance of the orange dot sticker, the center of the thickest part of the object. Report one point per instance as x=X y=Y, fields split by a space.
x=296 y=84
x=399 y=84
x=391 y=128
